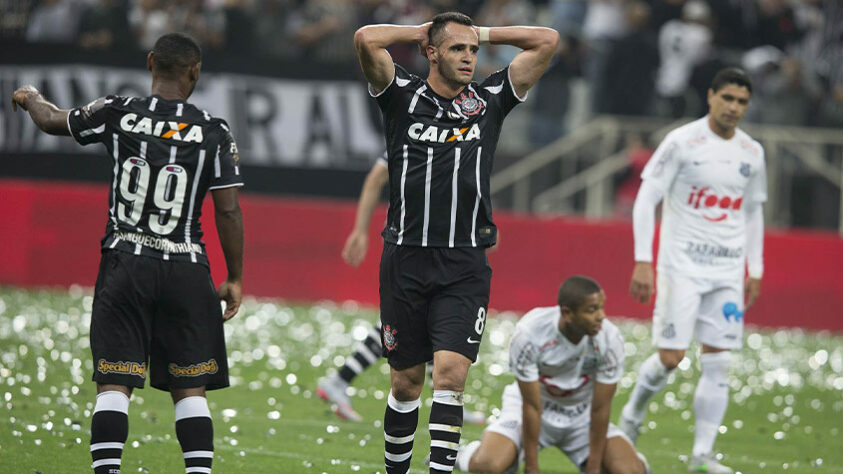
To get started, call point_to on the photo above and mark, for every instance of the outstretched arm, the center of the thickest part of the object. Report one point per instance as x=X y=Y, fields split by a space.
x=357 y=242
x=538 y=45
x=371 y=42
x=230 y=230
x=44 y=113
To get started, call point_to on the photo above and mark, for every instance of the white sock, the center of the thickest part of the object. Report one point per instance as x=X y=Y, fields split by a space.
x=711 y=399
x=465 y=454
x=652 y=377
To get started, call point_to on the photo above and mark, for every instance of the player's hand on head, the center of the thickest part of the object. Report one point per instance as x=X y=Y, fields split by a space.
x=752 y=288
x=355 y=248
x=423 y=38
x=641 y=286
x=232 y=293
x=20 y=96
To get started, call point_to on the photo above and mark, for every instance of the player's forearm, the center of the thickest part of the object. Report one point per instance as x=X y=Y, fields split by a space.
x=755 y=240
x=372 y=37
x=531 y=427
x=525 y=37
x=46 y=115
x=230 y=230
x=644 y=220
x=369 y=197
x=597 y=437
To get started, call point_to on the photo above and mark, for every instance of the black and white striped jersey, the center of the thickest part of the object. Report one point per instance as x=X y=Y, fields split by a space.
x=166 y=154
x=440 y=153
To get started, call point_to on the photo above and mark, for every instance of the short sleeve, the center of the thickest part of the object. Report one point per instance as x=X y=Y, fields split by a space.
x=87 y=123
x=523 y=356
x=610 y=368
x=383 y=160
x=756 y=188
x=664 y=164
x=391 y=94
x=226 y=162
x=500 y=90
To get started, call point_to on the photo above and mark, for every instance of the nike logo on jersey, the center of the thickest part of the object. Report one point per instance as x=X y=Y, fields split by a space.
x=145 y=126
x=432 y=133
x=472 y=341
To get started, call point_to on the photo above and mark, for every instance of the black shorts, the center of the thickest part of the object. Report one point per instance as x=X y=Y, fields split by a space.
x=157 y=314
x=432 y=299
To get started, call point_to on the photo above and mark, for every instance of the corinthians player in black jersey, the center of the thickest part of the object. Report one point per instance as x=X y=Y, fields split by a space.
x=441 y=135
x=155 y=306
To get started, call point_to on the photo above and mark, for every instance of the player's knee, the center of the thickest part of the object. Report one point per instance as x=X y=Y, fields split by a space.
x=449 y=378
x=405 y=390
x=481 y=463
x=671 y=358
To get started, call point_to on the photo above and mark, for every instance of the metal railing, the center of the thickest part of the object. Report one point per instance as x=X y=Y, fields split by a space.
x=588 y=160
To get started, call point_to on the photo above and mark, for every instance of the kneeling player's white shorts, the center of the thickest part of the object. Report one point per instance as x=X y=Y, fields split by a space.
x=573 y=440
x=710 y=309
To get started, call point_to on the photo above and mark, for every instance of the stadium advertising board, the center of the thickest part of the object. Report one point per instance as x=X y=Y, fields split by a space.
x=276 y=122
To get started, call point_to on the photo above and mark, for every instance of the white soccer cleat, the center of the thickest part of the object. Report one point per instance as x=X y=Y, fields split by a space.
x=332 y=390
x=630 y=428
x=708 y=463
x=473 y=417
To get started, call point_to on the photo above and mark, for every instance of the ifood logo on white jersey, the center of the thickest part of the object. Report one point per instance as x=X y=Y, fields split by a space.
x=170 y=130
x=703 y=197
x=433 y=134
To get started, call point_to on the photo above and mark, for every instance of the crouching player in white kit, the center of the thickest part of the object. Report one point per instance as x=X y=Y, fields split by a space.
x=567 y=361
x=711 y=175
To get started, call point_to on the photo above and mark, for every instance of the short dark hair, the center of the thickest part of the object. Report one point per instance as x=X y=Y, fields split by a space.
x=437 y=25
x=731 y=75
x=575 y=289
x=174 y=53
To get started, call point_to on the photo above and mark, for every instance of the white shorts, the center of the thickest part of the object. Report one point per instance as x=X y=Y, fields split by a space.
x=710 y=309
x=573 y=441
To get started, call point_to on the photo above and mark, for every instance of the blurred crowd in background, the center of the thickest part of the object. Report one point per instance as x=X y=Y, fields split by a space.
x=637 y=57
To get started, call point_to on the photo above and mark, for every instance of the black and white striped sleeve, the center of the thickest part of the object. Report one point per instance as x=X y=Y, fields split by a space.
x=226 y=169
x=499 y=90
x=87 y=123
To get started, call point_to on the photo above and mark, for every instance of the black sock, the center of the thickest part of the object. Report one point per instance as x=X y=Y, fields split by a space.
x=195 y=432
x=399 y=426
x=445 y=429
x=365 y=354
x=109 y=430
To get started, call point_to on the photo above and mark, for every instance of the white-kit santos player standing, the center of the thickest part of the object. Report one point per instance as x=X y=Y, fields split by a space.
x=155 y=306
x=441 y=135
x=711 y=176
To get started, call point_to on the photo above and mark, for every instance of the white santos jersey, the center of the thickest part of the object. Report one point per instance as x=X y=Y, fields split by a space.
x=566 y=372
x=706 y=181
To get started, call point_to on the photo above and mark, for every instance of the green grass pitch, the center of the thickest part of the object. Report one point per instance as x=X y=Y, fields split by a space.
x=785 y=413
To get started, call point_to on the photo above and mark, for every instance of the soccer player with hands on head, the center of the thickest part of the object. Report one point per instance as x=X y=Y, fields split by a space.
x=441 y=135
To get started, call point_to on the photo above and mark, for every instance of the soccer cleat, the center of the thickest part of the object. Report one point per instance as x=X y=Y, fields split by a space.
x=708 y=463
x=332 y=390
x=630 y=428
x=473 y=417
